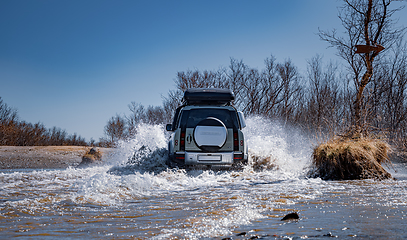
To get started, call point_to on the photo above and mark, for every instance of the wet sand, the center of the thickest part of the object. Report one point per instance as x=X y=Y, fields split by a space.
x=17 y=157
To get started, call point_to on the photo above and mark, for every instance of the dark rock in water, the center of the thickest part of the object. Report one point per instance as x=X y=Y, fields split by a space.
x=248 y=236
x=92 y=151
x=91 y=158
x=330 y=235
x=291 y=216
x=255 y=237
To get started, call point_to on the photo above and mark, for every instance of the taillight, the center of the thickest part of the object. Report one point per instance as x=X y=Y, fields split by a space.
x=235 y=141
x=238 y=156
x=182 y=141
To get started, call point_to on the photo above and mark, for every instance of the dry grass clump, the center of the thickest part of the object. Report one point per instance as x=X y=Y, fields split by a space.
x=261 y=163
x=348 y=159
x=91 y=157
x=93 y=154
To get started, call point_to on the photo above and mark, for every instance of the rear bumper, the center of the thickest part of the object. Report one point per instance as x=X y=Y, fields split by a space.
x=199 y=158
x=202 y=158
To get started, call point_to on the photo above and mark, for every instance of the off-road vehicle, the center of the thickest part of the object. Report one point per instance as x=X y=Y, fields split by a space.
x=206 y=131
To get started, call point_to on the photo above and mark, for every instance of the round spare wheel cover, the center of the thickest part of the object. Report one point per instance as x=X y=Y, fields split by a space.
x=210 y=132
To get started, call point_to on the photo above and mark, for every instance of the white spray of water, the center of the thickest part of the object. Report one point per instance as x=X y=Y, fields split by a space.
x=147 y=136
x=287 y=148
x=138 y=167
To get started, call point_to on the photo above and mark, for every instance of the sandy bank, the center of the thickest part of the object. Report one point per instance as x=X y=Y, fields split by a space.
x=13 y=157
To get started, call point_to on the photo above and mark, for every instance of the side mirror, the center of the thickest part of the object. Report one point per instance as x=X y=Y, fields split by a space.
x=242 y=121
x=168 y=127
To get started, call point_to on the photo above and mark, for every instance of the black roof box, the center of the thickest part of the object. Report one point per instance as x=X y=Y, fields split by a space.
x=205 y=96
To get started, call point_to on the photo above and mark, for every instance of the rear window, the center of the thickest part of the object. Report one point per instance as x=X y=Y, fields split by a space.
x=190 y=118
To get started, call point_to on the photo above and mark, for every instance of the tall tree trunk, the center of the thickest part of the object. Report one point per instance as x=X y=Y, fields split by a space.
x=359 y=96
x=368 y=74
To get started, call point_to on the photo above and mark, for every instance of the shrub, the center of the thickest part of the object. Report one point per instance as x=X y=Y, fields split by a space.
x=347 y=159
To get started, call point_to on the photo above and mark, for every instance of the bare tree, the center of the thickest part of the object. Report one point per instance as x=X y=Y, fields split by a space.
x=235 y=77
x=369 y=23
x=115 y=128
x=7 y=113
x=272 y=85
x=155 y=115
x=324 y=101
x=291 y=89
x=137 y=116
x=388 y=93
x=253 y=92
x=170 y=103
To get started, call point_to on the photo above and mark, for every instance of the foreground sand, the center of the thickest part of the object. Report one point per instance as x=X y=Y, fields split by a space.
x=12 y=157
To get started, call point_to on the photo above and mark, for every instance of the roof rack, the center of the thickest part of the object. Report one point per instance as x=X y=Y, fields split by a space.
x=208 y=96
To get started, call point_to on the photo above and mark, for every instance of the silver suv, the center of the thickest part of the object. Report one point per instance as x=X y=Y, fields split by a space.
x=206 y=131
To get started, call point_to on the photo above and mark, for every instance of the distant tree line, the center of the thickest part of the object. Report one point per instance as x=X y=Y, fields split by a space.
x=14 y=132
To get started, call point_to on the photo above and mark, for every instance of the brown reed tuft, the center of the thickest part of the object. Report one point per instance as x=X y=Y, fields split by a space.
x=94 y=156
x=261 y=163
x=349 y=159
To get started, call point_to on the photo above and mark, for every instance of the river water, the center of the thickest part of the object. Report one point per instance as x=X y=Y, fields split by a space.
x=135 y=196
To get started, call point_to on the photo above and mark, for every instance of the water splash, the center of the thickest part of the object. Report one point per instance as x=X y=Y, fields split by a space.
x=271 y=146
x=145 y=152
x=286 y=148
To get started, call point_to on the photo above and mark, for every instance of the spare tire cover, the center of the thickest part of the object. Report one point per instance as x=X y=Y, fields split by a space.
x=210 y=132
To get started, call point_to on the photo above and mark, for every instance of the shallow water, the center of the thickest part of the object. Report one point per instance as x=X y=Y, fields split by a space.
x=141 y=199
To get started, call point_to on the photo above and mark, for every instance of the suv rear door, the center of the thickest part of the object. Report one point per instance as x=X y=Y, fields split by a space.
x=190 y=118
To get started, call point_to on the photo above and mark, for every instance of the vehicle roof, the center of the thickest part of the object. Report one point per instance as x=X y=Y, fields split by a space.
x=189 y=107
x=208 y=96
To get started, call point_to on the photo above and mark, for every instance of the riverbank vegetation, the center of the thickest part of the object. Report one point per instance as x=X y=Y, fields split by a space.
x=14 y=132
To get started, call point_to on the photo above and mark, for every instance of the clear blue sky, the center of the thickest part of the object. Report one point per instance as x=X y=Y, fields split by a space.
x=74 y=64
